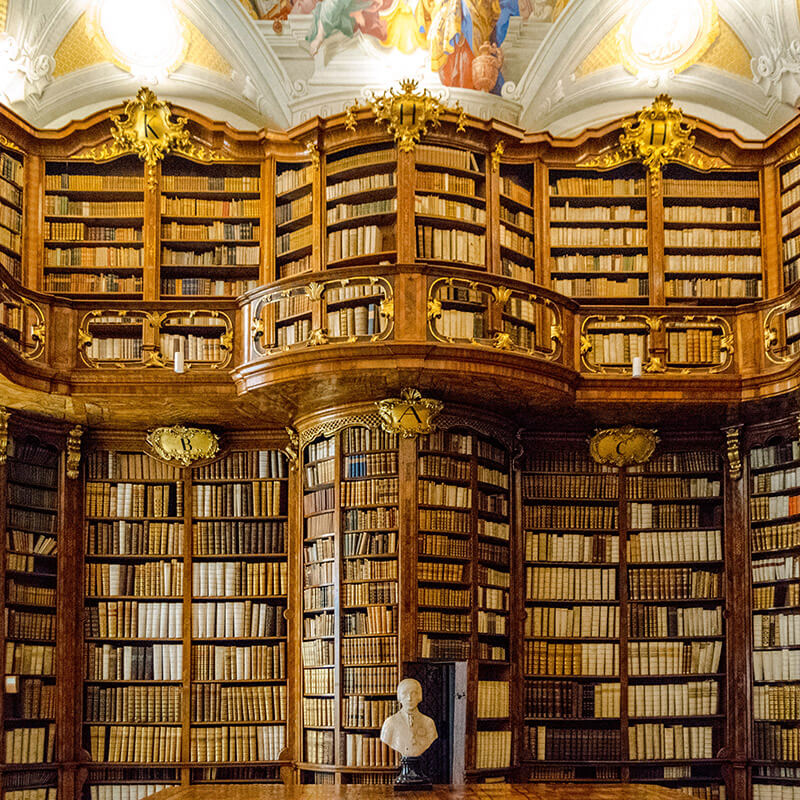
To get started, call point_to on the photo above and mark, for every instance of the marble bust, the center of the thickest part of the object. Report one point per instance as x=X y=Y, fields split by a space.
x=409 y=731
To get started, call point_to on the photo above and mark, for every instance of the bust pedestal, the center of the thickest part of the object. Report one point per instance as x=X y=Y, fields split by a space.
x=410 y=777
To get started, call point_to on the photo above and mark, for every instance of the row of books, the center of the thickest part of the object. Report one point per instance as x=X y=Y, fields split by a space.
x=568 y=213
x=493 y=699
x=237 y=619
x=711 y=237
x=239 y=663
x=184 y=207
x=361 y=750
x=690 y=699
x=101 y=257
x=288 y=178
x=594 y=621
x=30 y=745
x=776 y=630
x=36 y=699
x=378 y=156
x=154 y=662
x=133 y=500
x=617 y=348
x=433 y=205
x=781 y=595
x=254 y=499
x=210 y=183
x=775 y=481
x=375 y=620
x=674 y=658
x=522 y=219
x=598 y=187
x=673 y=583
x=215 y=231
x=358 y=186
x=655 y=740
x=776 y=569
x=369 y=492
x=211 y=578
x=132 y=619
x=107 y=464
x=774 y=507
x=609 y=262
x=368 y=464
x=574 y=547
x=651 y=621
x=29 y=595
x=579 y=658
x=369 y=593
x=664 y=515
x=598 y=237
x=362 y=320
x=353 y=242
x=431 y=519
x=703 y=264
x=319 y=473
x=237 y=743
x=121 y=743
x=571 y=700
x=709 y=187
x=133 y=704
x=568 y=744
x=148 y=578
x=781 y=702
x=345 y=211
x=776 y=742
x=245 y=464
x=451 y=244
x=194 y=348
x=570 y=583
x=64 y=206
x=294 y=209
x=80 y=231
x=294 y=333
x=28 y=624
x=570 y=517
x=115 y=349
x=454 y=324
x=369 y=569
x=319 y=711
x=444 y=494
x=218 y=256
x=776 y=665
x=29 y=659
x=512 y=189
x=694 y=346
x=706 y=214
x=601 y=287
x=94 y=183
x=123 y=537
x=492 y=749
x=713 y=287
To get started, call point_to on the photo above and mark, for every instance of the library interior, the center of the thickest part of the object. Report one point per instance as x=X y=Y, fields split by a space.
x=344 y=342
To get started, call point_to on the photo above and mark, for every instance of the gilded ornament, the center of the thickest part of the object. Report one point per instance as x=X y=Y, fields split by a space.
x=313 y=154
x=318 y=336
x=586 y=344
x=497 y=154
x=10 y=145
x=292 y=449
x=315 y=290
x=623 y=446
x=411 y=414
x=733 y=452
x=502 y=294
x=74 y=451
x=556 y=332
x=502 y=341
x=155 y=359
x=147 y=130
x=775 y=353
x=387 y=307
x=434 y=308
x=408 y=113
x=182 y=444
x=654 y=365
x=257 y=328
x=5 y=416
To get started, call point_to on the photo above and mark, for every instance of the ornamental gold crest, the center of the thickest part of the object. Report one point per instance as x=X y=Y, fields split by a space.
x=623 y=446
x=182 y=444
x=411 y=414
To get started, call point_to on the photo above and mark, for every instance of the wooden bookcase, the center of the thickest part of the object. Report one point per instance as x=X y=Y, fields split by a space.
x=28 y=605
x=93 y=230
x=517 y=257
x=624 y=660
x=194 y=563
x=598 y=234
x=774 y=484
x=361 y=205
x=712 y=235
x=11 y=211
x=790 y=222
x=293 y=218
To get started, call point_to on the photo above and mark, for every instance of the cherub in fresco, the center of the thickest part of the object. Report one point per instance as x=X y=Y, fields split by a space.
x=346 y=16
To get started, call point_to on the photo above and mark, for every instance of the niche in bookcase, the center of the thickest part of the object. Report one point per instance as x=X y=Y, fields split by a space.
x=516 y=222
x=450 y=206
x=93 y=223
x=358 y=309
x=283 y=318
x=22 y=323
x=205 y=337
x=461 y=310
x=361 y=205
x=782 y=332
x=712 y=235
x=790 y=222
x=113 y=338
x=598 y=234
x=293 y=217
x=210 y=228
x=610 y=343
x=698 y=342
x=29 y=555
x=774 y=478
x=11 y=199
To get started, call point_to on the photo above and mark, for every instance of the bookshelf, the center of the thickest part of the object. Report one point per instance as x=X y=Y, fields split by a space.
x=611 y=343
x=712 y=235
x=774 y=483
x=676 y=611
x=22 y=322
x=294 y=207
x=30 y=561
x=350 y=644
x=459 y=310
x=599 y=235
x=361 y=205
x=134 y=702
x=210 y=228
x=450 y=206
x=239 y=568
x=358 y=309
x=572 y=664
x=204 y=338
x=93 y=242
x=11 y=210
x=790 y=222
x=113 y=338
x=516 y=222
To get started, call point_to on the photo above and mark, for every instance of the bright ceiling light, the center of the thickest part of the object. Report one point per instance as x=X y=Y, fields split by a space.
x=146 y=35
x=666 y=36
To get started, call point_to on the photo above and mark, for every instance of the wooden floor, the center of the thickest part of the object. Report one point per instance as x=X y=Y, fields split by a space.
x=497 y=791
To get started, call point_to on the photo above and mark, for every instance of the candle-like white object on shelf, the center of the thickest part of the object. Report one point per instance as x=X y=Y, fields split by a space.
x=637 y=367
